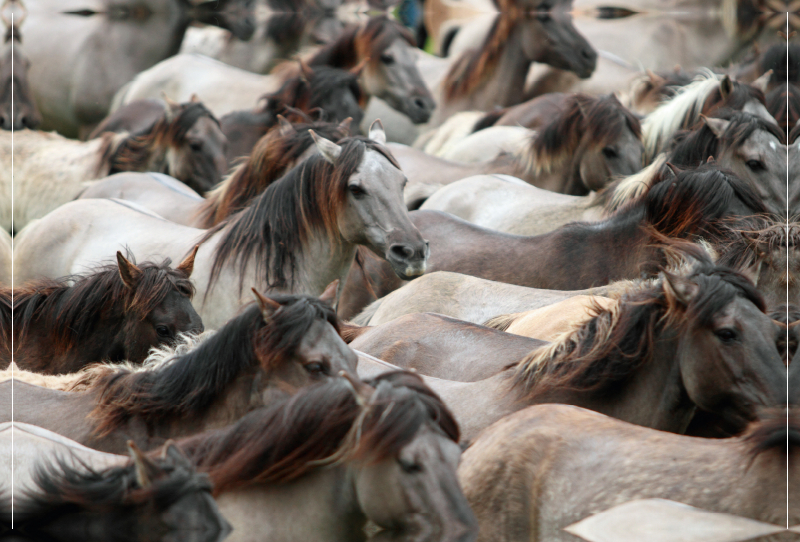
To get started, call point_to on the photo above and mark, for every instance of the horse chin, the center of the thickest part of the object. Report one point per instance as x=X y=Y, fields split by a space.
x=409 y=270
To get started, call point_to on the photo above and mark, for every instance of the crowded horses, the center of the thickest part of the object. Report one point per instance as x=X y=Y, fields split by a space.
x=441 y=270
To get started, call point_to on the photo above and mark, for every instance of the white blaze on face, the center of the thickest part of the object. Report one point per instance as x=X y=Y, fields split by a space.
x=773 y=146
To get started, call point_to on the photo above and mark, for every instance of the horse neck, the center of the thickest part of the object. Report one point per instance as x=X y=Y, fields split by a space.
x=652 y=397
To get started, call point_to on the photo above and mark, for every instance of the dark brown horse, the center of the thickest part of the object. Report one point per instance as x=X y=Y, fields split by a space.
x=115 y=313
x=277 y=345
x=129 y=501
x=319 y=465
x=697 y=341
x=581 y=254
x=335 y=92
x=23 y=113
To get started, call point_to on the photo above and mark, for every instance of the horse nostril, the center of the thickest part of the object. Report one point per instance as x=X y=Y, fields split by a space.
x=3 y=121
x=585 y=53
x=419 y=102
x=401 y=251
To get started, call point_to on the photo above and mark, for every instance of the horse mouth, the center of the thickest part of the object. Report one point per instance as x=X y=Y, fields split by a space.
x=409 y=270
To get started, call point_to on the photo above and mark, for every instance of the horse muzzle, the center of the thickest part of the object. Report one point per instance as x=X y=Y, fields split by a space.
x=408 y=260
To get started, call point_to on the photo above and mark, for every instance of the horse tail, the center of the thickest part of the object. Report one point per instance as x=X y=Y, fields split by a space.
x=366 y=315
x=488 y=120
x=350 y=331
x=503 y=321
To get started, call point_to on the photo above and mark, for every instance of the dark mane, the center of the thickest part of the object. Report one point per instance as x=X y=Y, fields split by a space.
x=305 y=91
x=775 y=59
x=750 y=240
x=134 y=152
x=602 y=119
x=692 y=148
x=320 y=425
x=276 y=224
x=783 y=103
x=476 y=65
x=63 y=489
x=274 y=153
x=774 y=432
x=191 y=382
x=69 y=308
x=615 y=343
x=358 y=42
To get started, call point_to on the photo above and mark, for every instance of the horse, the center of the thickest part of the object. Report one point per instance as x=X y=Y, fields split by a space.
x=385 y=451
x=707 y=94
x=23 y=112
x=114 y=313
x=534 y=474
x=276 y=153
x=298 y=236
x=76 y=53
x=62 y=488
x=494 y=73
x=333 y=91
x=752 y=148
x=580 y=150
x=51 y=170
x=783 y=103
x=669 y=348
x=225 y=88
x=275 y=346
x=441 y=346
x=692 y=205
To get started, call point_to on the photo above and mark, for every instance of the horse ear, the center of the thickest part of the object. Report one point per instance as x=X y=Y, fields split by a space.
x=680 y=289
x=717 y=126
x=344 y=126
x=674 y=169
x=361 y=391
x=655 y=79
x=725 y=87
x=195 y=98
x=329 y=295
x=358 y=68
x=305 y=69
x=187 y=265
x=128 y=272
x=172 y=106
x=376 y=132
x=329 y=150
x=172 y=452
x=762 y=83
x=286 y=128
x=146 y=470
x=268 y=306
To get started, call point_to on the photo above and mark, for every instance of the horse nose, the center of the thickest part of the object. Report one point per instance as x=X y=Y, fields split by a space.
x=587 y=54
x=402 y=251
x=419 y=102
x=5 y=123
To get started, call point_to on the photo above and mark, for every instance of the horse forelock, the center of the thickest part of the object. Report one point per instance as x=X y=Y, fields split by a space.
x=71 y=306
x=598 y=121
x=476 y=65
x=627 y=190
x=746 y=242
x=360 y=41
x=276 y=225
x=322 y=425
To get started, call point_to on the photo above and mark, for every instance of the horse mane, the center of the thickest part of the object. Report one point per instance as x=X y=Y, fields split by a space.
x=360 y=41
x=277 y=223
x=66 y=486
x=601 y=120
x=614 y=343
x=189 y=383
x=683 y=110
x=476 y=65
x=304 y=91
x=70 y=307
x=271 y=156
x=749 y=240
x=325 y=424
x=622 y=192
x=775 y=59
x=138 y=152
x=774 y=431
x=783 y=103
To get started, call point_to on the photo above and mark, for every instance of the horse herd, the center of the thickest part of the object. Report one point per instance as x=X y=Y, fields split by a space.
x=545 y=296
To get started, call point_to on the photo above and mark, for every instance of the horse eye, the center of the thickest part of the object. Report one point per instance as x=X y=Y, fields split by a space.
x=608 y=152
x=357 y=191
x=409 y=466
x=162 y=331
x=755 y=165
x=387 y=58
x=315 y=368
x=196 y=146
x=726 y=335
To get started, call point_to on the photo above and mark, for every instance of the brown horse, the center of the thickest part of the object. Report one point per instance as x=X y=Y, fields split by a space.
x=339 y=456
x=581 y=255
x=440 y=346
x=669 y=349
x=71 y=489
x=275 y=346
x=579 y=150
x=282 y=148
x=23 y=113
x=541 y=470
x=783 y=103
x=493 y=74
x=115 y=313
x=335 y=92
